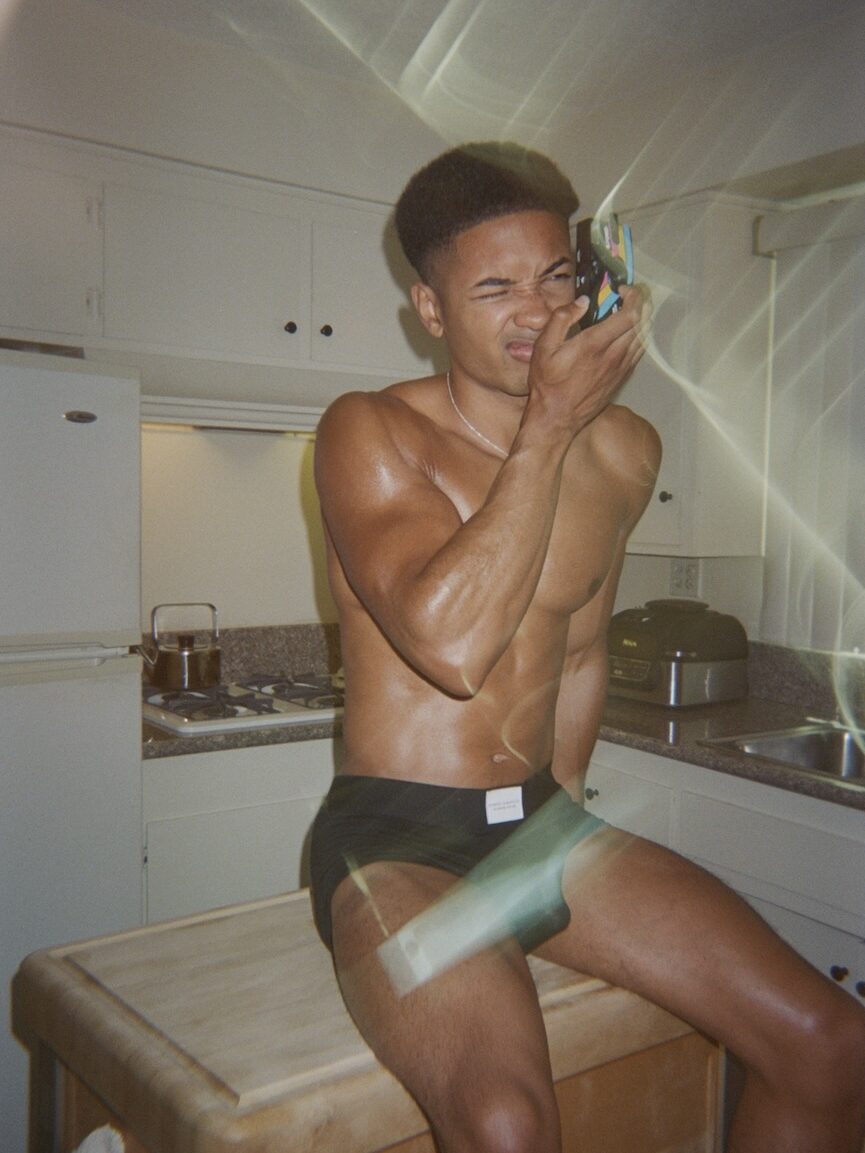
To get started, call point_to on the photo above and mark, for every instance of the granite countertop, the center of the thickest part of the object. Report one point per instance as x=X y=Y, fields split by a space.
x=678 y=733
x=157 y=742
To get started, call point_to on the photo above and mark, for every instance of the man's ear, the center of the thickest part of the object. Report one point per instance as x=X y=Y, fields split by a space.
x=426 y=304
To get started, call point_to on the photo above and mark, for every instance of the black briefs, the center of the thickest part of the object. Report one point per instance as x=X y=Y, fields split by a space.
x=366 y=819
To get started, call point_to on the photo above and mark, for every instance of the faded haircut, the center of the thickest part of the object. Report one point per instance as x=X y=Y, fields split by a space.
x=470 y=184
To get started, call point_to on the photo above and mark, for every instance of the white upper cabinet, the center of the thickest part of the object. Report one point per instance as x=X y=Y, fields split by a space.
x=234 y=272
x=50 y=254
x=703 y=381
x=153 y=257
x=198 y=273
x=361 y=312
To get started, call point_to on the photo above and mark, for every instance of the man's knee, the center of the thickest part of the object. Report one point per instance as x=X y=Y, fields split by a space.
x=507 y=1119
x=837 y=1038
x=822 y=1059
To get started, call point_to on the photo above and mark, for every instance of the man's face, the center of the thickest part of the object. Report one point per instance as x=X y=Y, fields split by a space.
x=494 y=290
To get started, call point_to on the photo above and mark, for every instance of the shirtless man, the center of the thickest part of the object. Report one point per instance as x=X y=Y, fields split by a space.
x=476 y=525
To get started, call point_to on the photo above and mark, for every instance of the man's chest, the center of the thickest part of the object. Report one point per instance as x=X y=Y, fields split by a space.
x=589 y=520
x=585 y=545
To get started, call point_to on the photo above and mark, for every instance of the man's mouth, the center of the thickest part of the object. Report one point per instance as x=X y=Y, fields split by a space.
x=521 y=350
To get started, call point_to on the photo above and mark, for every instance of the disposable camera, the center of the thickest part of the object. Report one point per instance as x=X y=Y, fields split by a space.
x=604 y=262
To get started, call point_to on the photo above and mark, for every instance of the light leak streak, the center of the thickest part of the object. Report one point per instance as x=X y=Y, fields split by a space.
x=508 y=891
x=829 y=568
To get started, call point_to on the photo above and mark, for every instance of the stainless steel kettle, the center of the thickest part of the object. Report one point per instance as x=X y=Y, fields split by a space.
x=182 y=665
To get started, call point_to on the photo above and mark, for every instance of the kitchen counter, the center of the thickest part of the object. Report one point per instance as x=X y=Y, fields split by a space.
x=667 y=732
x=157 y=742
x=679 y=733
x=226 y=1031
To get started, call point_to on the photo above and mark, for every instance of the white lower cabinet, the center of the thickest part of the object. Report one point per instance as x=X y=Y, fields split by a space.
x=840 y=955
x=798 y=860
x=634 y=803
x=230 y=826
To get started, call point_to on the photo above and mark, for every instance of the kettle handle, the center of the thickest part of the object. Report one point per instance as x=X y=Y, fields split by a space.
x=214 y=621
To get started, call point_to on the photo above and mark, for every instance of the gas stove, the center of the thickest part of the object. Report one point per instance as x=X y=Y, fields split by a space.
x=260 y=701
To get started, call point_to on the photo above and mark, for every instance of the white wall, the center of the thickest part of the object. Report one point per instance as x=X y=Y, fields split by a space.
x=728 y=584
x=79 y=69
x=85 y=71
x=232 y=518
x=803 y=97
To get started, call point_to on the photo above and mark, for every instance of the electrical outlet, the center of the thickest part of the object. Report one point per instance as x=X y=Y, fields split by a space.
x=685 y=577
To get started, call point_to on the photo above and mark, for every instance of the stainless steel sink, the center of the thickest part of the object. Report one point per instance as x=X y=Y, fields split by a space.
x=821 y=747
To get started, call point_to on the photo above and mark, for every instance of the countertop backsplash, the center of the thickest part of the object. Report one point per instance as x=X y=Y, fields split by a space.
x=806 y=678
x=305 y=648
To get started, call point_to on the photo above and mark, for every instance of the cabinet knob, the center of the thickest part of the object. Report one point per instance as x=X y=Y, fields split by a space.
x=860 y=988
x=291 y=327
x=591 y=794
x=664 y=496
x=326 y=330
x=839 y=972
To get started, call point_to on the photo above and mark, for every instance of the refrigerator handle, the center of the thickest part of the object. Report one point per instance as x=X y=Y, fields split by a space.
x=86 y=654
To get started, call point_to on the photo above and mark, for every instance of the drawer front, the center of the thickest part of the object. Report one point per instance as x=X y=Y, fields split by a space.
x=821 y=866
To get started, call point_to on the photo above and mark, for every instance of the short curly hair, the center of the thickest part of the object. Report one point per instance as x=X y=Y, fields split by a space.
x=470 y=184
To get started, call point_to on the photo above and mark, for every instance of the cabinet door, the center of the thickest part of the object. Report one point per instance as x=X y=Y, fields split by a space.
x=205 y=275
x=703 y=380
x=231 y=825
x=362 y=314
x=50 y=254
x=840 y=956
x=206 y=860
x=657 y=398
x=664 y=244
x=628 y=802
x=808 y=869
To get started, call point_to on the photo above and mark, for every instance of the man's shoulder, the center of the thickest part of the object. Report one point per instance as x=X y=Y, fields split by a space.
x=620 y=427
x=620 y=420
x=627 y=444
x=395 y=414
x=377 y=403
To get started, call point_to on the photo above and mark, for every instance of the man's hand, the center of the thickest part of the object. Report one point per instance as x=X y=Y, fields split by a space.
x=574 y=377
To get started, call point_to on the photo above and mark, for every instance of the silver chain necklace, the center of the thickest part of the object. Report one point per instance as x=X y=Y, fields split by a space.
x=495 y=447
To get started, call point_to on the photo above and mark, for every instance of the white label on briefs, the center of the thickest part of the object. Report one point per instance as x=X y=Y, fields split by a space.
x=504 y=804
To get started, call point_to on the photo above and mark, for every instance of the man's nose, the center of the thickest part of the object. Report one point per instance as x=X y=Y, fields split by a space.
x=532 y=308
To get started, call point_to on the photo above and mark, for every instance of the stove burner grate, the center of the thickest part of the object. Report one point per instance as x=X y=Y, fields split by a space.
x=262 y=700
x=312 y=690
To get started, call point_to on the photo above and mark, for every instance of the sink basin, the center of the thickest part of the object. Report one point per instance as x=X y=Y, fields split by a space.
x=821 y=748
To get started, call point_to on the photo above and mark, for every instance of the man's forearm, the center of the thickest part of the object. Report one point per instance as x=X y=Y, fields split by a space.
x=464 y=606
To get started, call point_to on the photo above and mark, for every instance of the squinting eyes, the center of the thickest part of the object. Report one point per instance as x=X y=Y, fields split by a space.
x=550 y=284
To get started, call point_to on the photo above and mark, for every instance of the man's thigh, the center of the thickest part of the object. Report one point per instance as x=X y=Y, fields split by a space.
x=478 y=1022
x=651 y=921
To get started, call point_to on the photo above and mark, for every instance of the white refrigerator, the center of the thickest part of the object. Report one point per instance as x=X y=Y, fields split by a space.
x=70 y=695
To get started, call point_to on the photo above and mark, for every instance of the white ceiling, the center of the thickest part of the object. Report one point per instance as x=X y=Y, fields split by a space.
x=495 y=66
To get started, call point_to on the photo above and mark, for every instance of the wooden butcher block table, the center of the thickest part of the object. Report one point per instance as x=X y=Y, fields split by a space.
x=226 y=1031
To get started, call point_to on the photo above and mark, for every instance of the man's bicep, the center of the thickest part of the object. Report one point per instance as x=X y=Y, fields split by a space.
x=385 y=517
